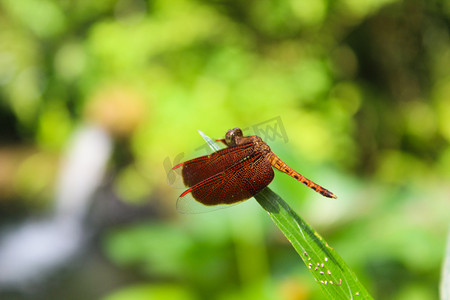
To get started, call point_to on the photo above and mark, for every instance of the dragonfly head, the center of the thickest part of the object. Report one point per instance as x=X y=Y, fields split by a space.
x=231 y=135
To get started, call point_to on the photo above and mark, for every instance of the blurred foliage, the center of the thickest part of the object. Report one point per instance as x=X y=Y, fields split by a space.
x=362 y=89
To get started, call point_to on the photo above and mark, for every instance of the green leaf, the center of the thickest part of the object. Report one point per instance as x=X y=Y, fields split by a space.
x=209 y=141
x=330 y=271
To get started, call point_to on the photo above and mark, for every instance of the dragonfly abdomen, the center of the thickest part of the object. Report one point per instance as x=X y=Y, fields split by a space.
x=278 y=164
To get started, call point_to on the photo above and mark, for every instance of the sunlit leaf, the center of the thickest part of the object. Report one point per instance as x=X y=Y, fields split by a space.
x=329 y=270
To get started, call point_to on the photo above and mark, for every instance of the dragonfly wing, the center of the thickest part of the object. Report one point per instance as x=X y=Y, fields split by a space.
x=200 y=168
x=237 y=183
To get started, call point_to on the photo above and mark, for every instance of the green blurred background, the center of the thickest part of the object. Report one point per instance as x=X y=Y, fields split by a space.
x=362 y=89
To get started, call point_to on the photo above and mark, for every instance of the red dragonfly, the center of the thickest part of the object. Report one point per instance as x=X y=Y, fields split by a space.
x=235 y=173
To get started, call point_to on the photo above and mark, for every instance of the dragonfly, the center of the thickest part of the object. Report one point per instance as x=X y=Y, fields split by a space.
x=235 y=173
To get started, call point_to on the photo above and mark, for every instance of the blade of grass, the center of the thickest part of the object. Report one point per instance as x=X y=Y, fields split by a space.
x=330 y=271
x=328 y=268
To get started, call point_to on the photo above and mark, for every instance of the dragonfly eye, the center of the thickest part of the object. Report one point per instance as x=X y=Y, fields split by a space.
x=230 y=137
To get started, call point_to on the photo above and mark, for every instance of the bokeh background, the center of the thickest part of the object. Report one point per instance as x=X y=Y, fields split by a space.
x=99 y=98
